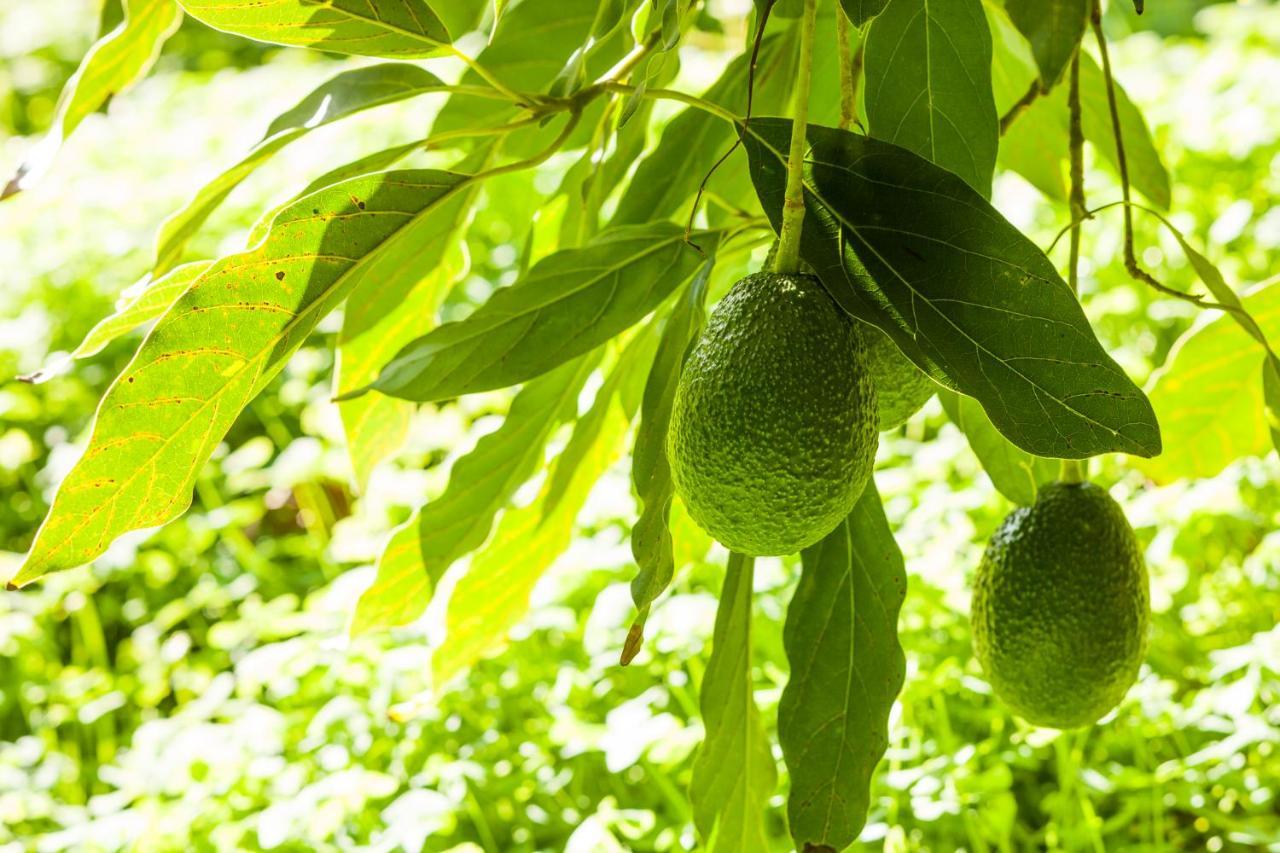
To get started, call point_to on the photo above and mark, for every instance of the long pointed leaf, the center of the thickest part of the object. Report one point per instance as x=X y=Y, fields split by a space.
x=902 y=244
x=216 y=348
x=1015 y=473
x=734 y=773
x=847 y=667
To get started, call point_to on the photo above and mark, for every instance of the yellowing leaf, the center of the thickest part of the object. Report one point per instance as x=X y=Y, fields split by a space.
x=216 y=348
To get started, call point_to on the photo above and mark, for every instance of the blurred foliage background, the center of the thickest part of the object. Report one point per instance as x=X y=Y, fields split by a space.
x=194 y=689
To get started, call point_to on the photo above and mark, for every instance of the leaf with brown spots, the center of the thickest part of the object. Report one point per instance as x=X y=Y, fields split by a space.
x=219 y=345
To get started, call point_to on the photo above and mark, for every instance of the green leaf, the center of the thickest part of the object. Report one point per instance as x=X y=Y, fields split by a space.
x=668 y=178
x=404 y=29
x=1054 y=29
x=847 y=668
x=1208 y=395
x=569 y=303
x=1015 y=473
x=928 y=85
x=734 y=773
x=144 y=302
x=1146 y=171
x=117 y=61
x=651 y=543
x=218 y=346
x=861 y=11
x=480 y=484
x=494 y=593
x=344 y=95
x=1271 y=396
x=912 y=249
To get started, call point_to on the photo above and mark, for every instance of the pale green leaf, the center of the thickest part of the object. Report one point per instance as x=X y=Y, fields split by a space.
x=1208 y=395
x=1054 y=29
x=734 y=773
x=493 y=595
x=480 y=484
x=928 y=85
x=847 y=667
x=569 y=303
x=1015 y=473
x=117 y=61
x=404 y=29
x=914 y=250
x=218 y=346
x=344 y=95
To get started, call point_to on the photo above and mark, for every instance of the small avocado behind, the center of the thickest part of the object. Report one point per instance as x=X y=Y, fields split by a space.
x=773 y=430
x=1061 y=608
x=901 y=387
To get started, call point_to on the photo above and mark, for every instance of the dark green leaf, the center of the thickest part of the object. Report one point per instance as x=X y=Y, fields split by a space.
x=1054 y=29
x=404 y=29
x=117 y=61
x=569 y=303
x=345 y=94
x=847 y=667
x=220 y=344
x=650 y=472
x=912 y=249
x=861 y=11
x=480 y=484
x=734 y=773
x=1015 y=473
x=928 y=85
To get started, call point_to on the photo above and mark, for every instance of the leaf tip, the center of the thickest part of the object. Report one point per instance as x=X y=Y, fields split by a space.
x=634 y=642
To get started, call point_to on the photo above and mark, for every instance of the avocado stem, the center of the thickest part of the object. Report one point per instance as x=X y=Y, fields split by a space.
x=788 y=257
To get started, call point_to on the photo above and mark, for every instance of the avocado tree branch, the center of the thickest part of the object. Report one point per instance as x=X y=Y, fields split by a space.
x=788 y=257
x=1075 y=471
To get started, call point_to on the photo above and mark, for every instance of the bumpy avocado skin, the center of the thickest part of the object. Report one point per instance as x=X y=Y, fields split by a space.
x=773 y=429
x=901 y=387
x=1061 y=607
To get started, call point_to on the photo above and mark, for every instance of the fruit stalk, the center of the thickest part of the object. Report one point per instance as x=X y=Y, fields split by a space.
x=1074 y=471
x=788 y=256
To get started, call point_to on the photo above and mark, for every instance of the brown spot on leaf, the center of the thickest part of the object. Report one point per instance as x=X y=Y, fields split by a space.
x=279 y=275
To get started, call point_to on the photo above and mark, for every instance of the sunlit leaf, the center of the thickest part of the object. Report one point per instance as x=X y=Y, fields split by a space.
x=928 y=85
x=1209 y=394
x=117 y=61
x=493 y=594
x=651 y=543
x=847 y=667
x=569 y=303
x=146 y=301
x=404 y=29
x=734 y=773
x=1015 y=473
x=1054 y=28
x=912 y=249
x=345 y=94
x=861 y=11
x=216 y=348
x=480 y=484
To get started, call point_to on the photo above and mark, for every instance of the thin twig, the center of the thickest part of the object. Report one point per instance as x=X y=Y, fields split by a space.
x=1074 y=470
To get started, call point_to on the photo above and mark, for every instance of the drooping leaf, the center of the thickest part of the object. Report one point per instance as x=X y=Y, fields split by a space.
x=216 y=348
x=1271 y=396
x=734 y=773
x=847 y=668
x=928 y=85
x=1208 y=394
x=861 y=11
x=117 y=61
x=1146 y=170
x=651 y=543
x=480 y=484
x=569 y=303
x=343 y=95
x=402 y=29
x=1015 y=473
x=1054 y=29
x=902 y=244
x=143 y=303
x=493 y=594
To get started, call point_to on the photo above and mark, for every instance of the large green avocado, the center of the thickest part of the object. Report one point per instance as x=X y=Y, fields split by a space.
x=1060 y=607
x=773 y=428
x=901 y=387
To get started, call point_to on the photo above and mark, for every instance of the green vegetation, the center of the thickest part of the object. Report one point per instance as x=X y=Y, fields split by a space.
x=396 y=625
x=901 y=387
x=1061 y=608
x=773 y=431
